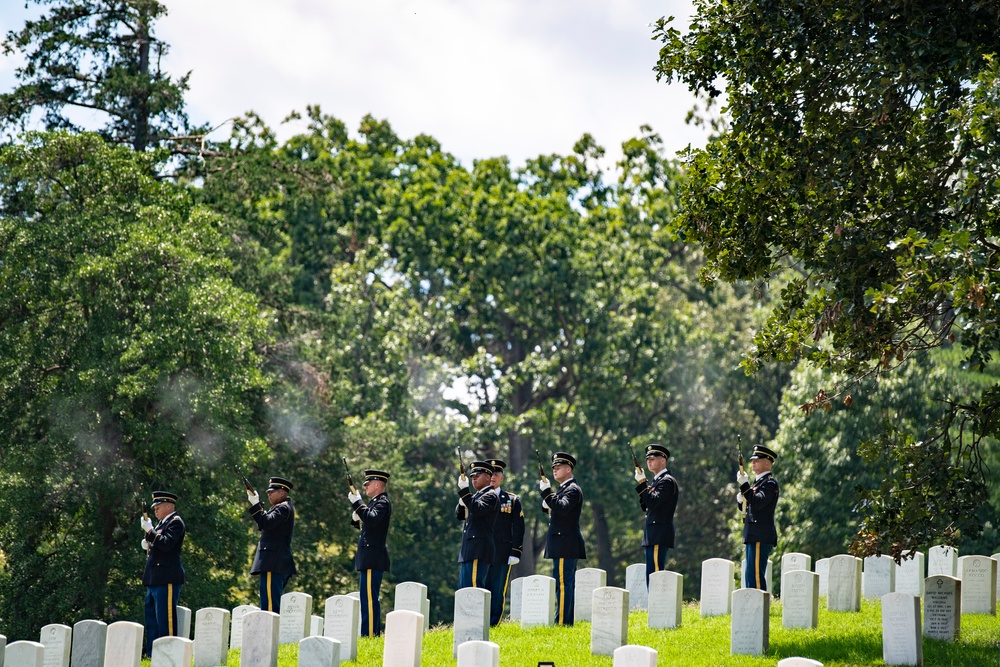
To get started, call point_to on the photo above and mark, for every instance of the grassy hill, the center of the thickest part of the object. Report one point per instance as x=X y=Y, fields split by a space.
x=841 y=640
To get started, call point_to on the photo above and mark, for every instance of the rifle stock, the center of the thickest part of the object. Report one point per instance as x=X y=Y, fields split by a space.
x=635 y=461
x=350 y=480
x=243 y=478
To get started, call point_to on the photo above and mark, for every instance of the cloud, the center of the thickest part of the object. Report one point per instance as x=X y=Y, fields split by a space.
x=508 y=77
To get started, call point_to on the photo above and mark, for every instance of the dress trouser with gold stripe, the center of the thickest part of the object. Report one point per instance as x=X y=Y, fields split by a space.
x=656 y=560
x=160 y=614
x=474 y=573
x=371 y=609
x=756 y=555
x=564 y=572
x=272 y=586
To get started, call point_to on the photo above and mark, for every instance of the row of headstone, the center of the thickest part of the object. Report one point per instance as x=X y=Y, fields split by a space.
x=88 y=643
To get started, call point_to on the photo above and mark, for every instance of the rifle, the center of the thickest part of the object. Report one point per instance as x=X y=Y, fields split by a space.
x=246 y=482
x=541 y=468
x=739 y=459
x=635 y=461
x=461 y=463
x=350 y=482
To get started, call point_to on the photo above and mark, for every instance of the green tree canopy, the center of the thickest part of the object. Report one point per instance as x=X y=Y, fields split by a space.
x=96 y=55
x=128 y=361
x=859 y=147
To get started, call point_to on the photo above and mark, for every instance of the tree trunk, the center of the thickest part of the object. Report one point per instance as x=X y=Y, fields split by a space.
x=140 y=99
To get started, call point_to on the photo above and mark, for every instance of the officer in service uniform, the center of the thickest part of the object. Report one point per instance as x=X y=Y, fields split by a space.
x=759 y=499
x=372 y=559
x=508 y=538
x=564 y=544
x=273 y=561
x=482 y=508
x=658 y=499
x=164 y=574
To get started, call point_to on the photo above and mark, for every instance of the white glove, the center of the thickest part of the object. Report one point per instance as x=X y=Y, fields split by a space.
x=355 y=517
x=353 y=497
x=253 y=497
x=640 y=476
x=545 y=505
x=146 y=524
x=145 y=544
x=742 y=478
x=513 y=560
x=543 y=484
x=463 y=482
x=740 y=499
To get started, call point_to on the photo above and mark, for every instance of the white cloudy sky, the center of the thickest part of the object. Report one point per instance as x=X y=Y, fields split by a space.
x=484 y=77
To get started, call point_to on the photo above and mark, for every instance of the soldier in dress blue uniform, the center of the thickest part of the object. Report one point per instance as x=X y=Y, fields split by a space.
x=164 y=574
x=372 y=559
x=658 y=499
x=564 y=544
x=482 y=508
x=760 y=499
x=273 y=561
x=508 y=538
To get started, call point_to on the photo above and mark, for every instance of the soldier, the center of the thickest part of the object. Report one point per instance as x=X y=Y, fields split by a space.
x=564 y=544
x=508 y=537
x=759 y=534
x=372 y=559
x=164 y=574
x=482 y=508
x=273 y=561
x=658 y=500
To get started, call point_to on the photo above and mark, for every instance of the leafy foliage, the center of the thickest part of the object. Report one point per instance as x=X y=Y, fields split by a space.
x=96 y=55
x=858 y=148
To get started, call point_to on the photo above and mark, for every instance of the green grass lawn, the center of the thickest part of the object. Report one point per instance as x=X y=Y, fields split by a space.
x=841 y=640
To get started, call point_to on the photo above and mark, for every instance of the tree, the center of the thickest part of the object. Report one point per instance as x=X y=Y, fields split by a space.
x=128 y=362
x=858 y=148
x=96 y=55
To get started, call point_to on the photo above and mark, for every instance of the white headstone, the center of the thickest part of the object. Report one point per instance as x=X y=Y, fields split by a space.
x=910 y=575
x=183 y=622
x=472 y=616
x=635 y=583
x=716 y=586
x=260 y=639
x=588 y=580
x=404 y=635
x=796 y=661
x=342 y=621
x=979 y=585
x=538 y=600
x=479 y=654
x=124 y=647
x=412 y=596
x=315 y=626
x=750 y=622
x=635 y=656
x=211 y=637
x=236 y=624
x=3 y=649
x=296 y=612
x=796 y=561
x=516 y=588
x=942 y=560
x=767 y=575
x=609 y=624
x=173 y=652
x=995 y=557
x=902 y=643
x=823 y=570
x=942 y=607
x=57 y=640
x=89 y=638
x=666 y=599
x=24 y=654
x=844 y=584
x=319 y=652
x=799 y=599
x=878 y=577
